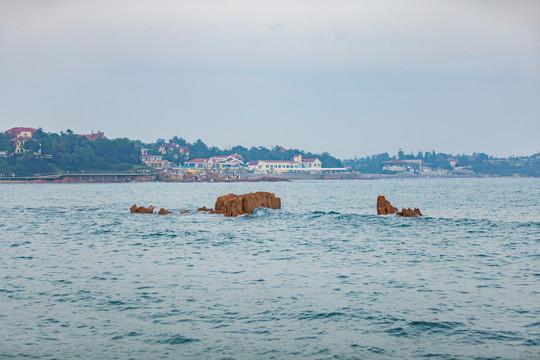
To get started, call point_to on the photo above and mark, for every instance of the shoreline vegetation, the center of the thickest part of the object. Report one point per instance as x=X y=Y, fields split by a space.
x=33 y=155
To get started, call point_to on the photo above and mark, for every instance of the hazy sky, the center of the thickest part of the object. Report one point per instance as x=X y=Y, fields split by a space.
x=347 y=77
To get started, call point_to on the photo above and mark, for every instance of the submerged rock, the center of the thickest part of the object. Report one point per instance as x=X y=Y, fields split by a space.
x=141 y=209
x=162 y=211
x=234 y=205
x=184 y=212
x=384 y=207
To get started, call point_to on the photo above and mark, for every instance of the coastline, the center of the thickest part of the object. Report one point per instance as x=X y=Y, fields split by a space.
x=165 y=177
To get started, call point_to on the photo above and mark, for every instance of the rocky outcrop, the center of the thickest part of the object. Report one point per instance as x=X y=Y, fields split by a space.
x=162 y=211
x=204 y=209
x=184 y=212
x=384 y=207
x=234 y=205
x=141 y=209
x=168 y=177
x=409 y=213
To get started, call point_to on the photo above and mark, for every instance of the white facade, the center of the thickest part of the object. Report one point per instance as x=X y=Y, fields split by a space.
x=286 y=166
x=155 y=161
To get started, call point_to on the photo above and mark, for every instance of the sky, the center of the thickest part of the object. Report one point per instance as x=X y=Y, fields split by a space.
x=349 y=77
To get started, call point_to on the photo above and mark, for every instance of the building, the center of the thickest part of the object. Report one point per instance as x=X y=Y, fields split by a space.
x=230 y=162
x=278 y=148
x=94 y=136
x=155 y=161
x=256 y=165
x=21 y=135
x=21 y=132
x=397 y=165
x=297 y=164
x=453 y=162
x=199 y=163
x=273 y=166
x=311 y=163
x=176 y=149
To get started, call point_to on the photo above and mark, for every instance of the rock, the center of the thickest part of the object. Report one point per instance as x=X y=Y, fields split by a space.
x=141 y=209
x=162 y=211
x=409 y=213
x=204 y=209
x=184 y=212
x=234 y=205
x=384 y=207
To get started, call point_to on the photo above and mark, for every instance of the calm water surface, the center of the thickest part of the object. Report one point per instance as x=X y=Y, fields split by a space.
x=323 y=278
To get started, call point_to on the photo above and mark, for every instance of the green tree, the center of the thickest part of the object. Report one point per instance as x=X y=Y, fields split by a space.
x=6 y=143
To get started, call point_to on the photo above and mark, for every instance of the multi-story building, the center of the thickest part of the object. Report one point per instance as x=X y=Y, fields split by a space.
x=155 y=161
x=297 y=164
x=233 y=161
x=176 y=149
x=21 y=135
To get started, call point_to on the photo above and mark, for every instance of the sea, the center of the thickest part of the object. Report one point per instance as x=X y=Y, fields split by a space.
x=325 y=277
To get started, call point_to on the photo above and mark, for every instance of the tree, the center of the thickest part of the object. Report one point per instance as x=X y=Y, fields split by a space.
x=199 y=149
x=6 y=144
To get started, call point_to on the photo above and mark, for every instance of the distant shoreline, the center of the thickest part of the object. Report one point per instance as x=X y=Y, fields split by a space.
x=131 y=178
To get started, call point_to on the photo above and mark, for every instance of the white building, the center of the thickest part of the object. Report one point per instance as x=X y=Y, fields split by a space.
x=155 y=161
x=282 y=166
x=397 y=165
x=233 y=161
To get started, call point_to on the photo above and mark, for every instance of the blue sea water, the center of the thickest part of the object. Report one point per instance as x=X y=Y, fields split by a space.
x=323 y=278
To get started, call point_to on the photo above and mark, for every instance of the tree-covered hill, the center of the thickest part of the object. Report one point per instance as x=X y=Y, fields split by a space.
x=478 y=163
x=48 y=153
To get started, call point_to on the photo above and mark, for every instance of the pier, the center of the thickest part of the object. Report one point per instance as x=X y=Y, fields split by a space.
x=83 y=177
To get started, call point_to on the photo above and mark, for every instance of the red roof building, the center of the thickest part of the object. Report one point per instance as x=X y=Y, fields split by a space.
x=198 y=161
x=21 y=135
x=172 y=146
x=21 y=131
x=94 y=136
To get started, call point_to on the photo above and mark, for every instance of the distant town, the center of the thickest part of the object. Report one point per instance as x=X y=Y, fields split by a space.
x=34 y=154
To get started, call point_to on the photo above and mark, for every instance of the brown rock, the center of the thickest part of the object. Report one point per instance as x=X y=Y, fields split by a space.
x=384 y=207
x=141 y=209
x=204 y=209
x=184 y=212
x=410 y=213
x=234 y=205
x=162 y=211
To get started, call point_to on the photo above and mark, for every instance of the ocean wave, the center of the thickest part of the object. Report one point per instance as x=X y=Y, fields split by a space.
x=176 y=339
x=312 y=315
